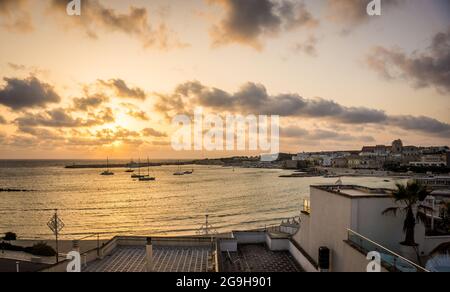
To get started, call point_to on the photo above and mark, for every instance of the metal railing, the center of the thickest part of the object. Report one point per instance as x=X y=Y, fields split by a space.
x=389 y=259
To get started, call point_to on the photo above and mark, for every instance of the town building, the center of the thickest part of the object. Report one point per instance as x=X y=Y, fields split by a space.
x=341 y=162
x=432 y=160
x=348 y=221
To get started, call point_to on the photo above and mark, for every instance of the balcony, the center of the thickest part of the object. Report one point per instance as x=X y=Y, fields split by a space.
x=389 y=259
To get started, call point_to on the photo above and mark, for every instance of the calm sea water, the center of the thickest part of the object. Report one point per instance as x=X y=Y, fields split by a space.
x=173 y=205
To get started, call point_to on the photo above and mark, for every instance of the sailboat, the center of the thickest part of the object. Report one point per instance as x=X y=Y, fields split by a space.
x=179 y=172
x=139 y=176
x=147 y=177
x=189 y=172
x=107 y=172
x=130 y=169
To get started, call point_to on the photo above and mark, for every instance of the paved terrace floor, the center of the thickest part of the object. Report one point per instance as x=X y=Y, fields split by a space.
x=257 y=258
x=166 y=259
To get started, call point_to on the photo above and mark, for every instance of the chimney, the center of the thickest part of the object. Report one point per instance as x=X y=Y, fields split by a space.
x=149 y=250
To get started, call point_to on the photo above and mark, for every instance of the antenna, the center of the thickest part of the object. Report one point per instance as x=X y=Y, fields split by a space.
x=207 y=229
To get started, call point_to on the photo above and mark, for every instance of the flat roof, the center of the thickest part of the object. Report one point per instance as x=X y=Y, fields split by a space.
x=257 y=258
x=354 y=191
x=165 y=259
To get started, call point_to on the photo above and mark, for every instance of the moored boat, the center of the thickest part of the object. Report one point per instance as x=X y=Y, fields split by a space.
x=107 y=172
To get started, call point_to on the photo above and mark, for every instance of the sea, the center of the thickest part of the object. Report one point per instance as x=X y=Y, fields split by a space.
x=89 y=204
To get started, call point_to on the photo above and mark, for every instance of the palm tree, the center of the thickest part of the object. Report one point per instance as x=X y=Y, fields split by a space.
x=445 y=215
x=410 y=199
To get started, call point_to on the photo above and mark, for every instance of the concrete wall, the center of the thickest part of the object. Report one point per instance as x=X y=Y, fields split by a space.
x=277 y=244
x=430 y=243
x=301 y=258
x=289 y=229
x=227 y=244
x=326 y=226
x=386 y=230
x=249 y=237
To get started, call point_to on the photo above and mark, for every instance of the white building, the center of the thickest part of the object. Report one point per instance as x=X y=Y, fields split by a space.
x=348 y=220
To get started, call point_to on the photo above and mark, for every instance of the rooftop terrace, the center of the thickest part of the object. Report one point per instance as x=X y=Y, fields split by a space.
x=165 y=259
x=353 y=191
x=169 y=255
x=258 y=258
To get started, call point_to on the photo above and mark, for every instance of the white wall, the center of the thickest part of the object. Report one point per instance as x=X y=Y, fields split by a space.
x=430 y=243
x=332 y=214
x=326 y=226
x=228 y=245
x=249 y=237
x=301 y=259
x=386 y=230
x=277 y=244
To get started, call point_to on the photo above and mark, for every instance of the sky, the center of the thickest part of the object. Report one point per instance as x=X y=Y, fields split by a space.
x=109 y=82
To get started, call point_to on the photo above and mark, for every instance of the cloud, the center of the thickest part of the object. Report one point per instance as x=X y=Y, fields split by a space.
x=139 y=115
x=17 y=67
x=308 y=47
x=424 y=124
x=59 y=118
x=249 y=22
x=135 y=112
x=322 y=135
x=351 y=13
x=429 y=69
x=123 y=90
x=135 y=23
x=27 y=93
x=42 y=134
x=90 y=102
x=3 y=121
x=254 y=99
x=109 y=136
x=14 y=16
x=149 y=132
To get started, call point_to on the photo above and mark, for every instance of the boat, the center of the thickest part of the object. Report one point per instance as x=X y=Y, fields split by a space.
x=131 y=165
x=189 y=172
x=147 y=177
x=138 y=175
x=107 y=172
x=179 y=172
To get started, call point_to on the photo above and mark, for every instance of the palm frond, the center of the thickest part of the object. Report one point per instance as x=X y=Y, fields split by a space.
x=421 y=217
x=425 y=209
x=392 y=210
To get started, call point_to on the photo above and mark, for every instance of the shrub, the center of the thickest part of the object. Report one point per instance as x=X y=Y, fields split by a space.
x=41 y=249
x=8 y=246
x=9 y=236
